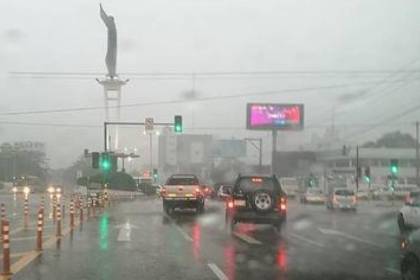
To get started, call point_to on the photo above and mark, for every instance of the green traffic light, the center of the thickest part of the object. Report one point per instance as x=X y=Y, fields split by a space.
x=394 y=169
x=106 y=165
x=178 y=124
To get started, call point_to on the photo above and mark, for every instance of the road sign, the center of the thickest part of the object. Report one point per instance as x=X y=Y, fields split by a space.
x=148 y=123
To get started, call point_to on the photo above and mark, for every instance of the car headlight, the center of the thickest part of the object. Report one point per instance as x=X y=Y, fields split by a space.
x=26 y=190
x=50 y=189
x=14 y=189
x=58 y=189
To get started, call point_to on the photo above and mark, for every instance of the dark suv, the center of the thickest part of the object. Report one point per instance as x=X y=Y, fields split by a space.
x=257 y=200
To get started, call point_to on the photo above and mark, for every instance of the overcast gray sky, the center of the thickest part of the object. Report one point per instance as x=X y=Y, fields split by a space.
x=196 y=36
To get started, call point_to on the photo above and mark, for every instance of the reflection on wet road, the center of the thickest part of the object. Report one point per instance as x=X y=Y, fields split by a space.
x=135 y=240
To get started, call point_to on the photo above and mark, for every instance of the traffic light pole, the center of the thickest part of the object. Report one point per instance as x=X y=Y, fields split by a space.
x=106 y=124
x=357 y=168
x=417 y=155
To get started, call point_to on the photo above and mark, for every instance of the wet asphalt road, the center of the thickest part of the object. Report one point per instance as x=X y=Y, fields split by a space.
x=135 y=240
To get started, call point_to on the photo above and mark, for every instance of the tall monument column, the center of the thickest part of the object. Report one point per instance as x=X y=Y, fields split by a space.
x=111 y=83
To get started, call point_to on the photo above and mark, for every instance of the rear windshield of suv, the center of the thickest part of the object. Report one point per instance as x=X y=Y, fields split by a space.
x=182 y=181
x=253 y=183
x=344 y=192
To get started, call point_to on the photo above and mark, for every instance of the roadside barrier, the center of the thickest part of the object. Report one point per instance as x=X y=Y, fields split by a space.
x=3 y=212
x=54 y=203
x=71 y=213
x=26 y=214
x=81 y=210
x=94 y=207
x=6 y=248
x=58 y=230
x=39 y=230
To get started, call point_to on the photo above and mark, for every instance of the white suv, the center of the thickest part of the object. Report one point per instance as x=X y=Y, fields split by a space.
x=409 y=216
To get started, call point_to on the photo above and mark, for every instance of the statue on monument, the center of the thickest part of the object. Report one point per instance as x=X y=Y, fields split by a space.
x=111 y=54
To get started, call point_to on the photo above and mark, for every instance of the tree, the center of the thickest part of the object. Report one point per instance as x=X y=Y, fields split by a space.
x=392 y=140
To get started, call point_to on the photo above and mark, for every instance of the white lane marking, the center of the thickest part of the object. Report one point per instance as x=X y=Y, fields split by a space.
x=178 y=228
x=125 y=232
x=247 y=238
x=392 y=270
x=349 y=236
x=216 y=270
x=183 y=233
x=301 y=238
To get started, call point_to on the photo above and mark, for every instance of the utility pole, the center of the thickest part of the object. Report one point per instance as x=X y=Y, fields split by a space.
x=151 y=152
x=417 y=154
x=259 y=148
x=357 y=168
x=274 y=150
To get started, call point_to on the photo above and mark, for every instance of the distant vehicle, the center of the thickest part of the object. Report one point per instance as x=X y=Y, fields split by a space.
x=182 y=191
x=207 y=191
x=313 y=195
x=342 y=198
x=257 y=200
x=55 y=189
x=290 y=185
x=409 y=216
x=410 y=261
x=224 y=192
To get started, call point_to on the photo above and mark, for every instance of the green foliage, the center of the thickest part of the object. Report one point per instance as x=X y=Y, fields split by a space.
x=393 y=140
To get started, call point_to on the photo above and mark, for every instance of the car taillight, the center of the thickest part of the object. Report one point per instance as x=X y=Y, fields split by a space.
x=354 y=199
x=335 y=200
x=197 y=191
x=283 y=204
x=230 y=204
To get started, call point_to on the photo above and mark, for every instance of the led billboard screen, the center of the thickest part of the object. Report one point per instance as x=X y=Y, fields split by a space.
x=275 y=116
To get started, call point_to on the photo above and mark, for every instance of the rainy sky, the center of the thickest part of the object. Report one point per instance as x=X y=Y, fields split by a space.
x=195 y=36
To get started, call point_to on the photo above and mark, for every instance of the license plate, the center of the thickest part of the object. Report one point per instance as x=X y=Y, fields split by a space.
x=239 y=202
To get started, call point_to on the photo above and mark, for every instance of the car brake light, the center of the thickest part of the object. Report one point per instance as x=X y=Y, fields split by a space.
x=230 y=204
x=283 y=204
x=197 y=191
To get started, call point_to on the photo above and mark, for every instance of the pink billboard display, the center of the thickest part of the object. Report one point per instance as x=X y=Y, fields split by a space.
x=275 y=116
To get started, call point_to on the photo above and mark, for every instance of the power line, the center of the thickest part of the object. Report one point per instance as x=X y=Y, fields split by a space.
x=198 y=99
x=221 y=73
x=67 y=125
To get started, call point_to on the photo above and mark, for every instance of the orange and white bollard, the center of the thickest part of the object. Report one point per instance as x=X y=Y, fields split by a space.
x=71 y=213
x=26 y=214
x=58 y=231
x=3 y=212
x=63 y=211
x=94 y=206
x=54 y=201
x=89 y=206
x=40 y=225
x=6 y=248
x=81 y=211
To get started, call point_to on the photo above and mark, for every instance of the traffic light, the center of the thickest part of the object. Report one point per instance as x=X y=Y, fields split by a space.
x=155 y=174
x=367 y=174
x=95 y=160
x=394 y=166
x=178 y=124
x=106 y=162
